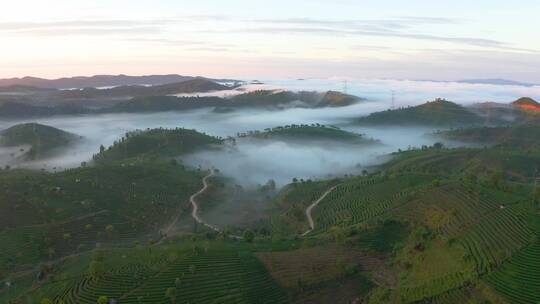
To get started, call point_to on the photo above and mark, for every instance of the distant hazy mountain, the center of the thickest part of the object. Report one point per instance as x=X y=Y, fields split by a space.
x=492 y=81
x=496 y=81
x=194 y=85
x=21 y=110
x=96 y=81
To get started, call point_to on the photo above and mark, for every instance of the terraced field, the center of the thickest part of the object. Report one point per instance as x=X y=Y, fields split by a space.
x=216 y=276
x=304 y=267
x=362 y=200
x=49 y=242
x=290 y=217
x=518 y=280
x=490 y=224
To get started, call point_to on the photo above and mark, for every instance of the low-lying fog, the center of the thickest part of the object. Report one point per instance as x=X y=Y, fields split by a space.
x=252 y=163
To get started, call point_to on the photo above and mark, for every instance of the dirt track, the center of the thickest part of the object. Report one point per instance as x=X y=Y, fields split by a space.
x=310 y=208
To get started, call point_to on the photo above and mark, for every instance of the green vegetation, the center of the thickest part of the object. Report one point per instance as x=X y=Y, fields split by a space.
x=432 y=225
x=525 y=136
x=337 y=99
x=289 y=214
x=517 y=280
x=55 y=214
x=440 y=113
x=474 y=209
x=156 y=143
x=307 y=99
x=41 y=139
x=222 y=272
x=309 y=132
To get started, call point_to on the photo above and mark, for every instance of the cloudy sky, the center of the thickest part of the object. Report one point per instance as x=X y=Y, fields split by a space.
x=414 y=39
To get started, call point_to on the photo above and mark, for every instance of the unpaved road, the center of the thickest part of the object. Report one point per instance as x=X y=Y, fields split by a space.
x=195 y=211
x=168 y=232
x=310 y=208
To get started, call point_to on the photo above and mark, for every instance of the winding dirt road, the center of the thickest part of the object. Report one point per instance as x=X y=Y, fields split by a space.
x=168 y=232
x=310 y=208
x=195 y=211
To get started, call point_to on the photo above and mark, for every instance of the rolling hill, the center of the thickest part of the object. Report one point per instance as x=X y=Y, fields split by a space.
x=315 y=132
x=278 y=98
x=337 y=99
x=154 y=143
x=527 y=104
x=42 y=139
x=440 y=112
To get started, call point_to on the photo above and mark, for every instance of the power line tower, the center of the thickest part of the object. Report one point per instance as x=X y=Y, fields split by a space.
x=345 y=84
x=393 y=99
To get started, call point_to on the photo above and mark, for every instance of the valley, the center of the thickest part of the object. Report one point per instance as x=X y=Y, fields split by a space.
x=288 y=196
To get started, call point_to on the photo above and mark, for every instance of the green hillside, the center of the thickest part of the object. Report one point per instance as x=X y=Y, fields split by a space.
x=305 y=98
x=51 y=215
x=471 y=208
x=337 y=99
x=521 y=136
x=193 y=272
x=41 y=138
x=441 y=113
x=156 y=143
x=309 y=132
x=432 y=225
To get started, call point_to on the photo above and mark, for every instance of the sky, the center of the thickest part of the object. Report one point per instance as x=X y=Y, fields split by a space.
x=390 y=39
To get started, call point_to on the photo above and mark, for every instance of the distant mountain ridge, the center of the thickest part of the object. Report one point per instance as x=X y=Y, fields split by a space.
x=497 y=81
x=80 y=82
x=187 y=86
x=492 y=81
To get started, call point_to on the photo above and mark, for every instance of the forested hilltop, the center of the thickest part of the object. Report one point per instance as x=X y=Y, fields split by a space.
x=42 y=139
x=435 y=113
x=305 y=132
